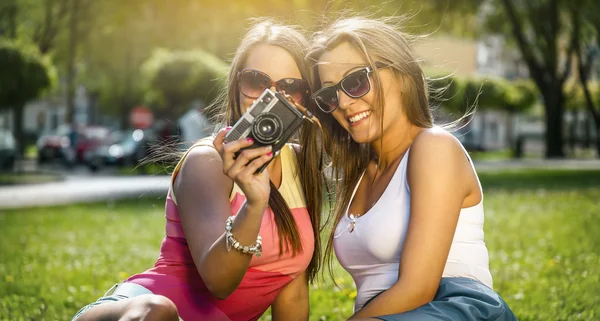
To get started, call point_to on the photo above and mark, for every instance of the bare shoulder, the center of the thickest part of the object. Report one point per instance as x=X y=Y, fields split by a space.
x=201 y=158
x=202 y=166
x=436 y=142
x=437 y=152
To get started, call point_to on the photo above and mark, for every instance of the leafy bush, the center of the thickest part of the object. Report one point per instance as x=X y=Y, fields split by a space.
x=176 y=78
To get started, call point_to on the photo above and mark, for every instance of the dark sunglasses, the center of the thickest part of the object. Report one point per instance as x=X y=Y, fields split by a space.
x=253 y=82
x=355 y=85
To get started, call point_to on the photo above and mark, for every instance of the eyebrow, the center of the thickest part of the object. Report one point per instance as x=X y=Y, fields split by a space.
x=346 y=73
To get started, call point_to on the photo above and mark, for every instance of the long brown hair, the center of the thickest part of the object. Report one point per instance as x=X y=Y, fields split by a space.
x=266 y=31
x=378 y=40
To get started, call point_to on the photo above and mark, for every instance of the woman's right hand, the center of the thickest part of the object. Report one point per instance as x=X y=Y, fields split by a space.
x=242 y=169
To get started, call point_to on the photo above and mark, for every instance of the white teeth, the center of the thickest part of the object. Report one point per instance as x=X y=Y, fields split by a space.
x=358 y=117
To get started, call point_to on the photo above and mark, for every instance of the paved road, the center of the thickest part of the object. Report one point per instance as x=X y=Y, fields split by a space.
x=81 y=185
x=80 y=189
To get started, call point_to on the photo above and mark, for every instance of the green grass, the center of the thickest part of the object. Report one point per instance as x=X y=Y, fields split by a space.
x=17 y=178
x=541 y=231
x=31 y=152
x=495 y=155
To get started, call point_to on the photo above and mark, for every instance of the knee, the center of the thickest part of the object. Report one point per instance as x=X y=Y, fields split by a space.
x=151 y=308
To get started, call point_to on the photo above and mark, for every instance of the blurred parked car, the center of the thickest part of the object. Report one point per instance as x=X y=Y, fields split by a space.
x=58 y=144
x=90 y=138
x=52 y=145
x=121 y=149
x=8 y=150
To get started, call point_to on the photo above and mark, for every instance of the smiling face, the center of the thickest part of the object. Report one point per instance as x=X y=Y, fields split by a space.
x=272 y=60
x=362 y=117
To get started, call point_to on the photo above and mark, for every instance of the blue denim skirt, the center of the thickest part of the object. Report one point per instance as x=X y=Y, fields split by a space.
x=459 y=299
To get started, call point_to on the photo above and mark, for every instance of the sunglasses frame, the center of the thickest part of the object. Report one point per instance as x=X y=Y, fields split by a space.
x=272 y=83
x=368 y=70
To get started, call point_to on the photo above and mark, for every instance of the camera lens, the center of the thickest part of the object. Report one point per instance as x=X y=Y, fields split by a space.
x=267 y=128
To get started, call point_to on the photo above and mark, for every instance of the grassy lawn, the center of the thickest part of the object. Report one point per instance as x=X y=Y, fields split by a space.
x=29 y=178
x=541 y=230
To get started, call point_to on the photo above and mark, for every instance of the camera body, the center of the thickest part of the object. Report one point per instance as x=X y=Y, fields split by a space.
x=271 y=120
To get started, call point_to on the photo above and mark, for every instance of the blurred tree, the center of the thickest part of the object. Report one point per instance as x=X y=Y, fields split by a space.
x=35 y=21
x=446 y=90
x=546 y=45
x=519 y=96
x=177 y=78
x=46 y=25
x=8 y=19
x=585 y=21
x=118 y=40
x=546 y=48
x=25 y=74
x=576 y=103
x=422 y=17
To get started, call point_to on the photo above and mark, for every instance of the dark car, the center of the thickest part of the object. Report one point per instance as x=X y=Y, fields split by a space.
x=90 y=138
x=121 y=149
x=52 y=145
x=8 y=150
x=58 y=144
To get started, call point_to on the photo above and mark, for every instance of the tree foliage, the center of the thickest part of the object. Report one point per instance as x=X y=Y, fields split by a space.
x=25 y=75
x=176 y=78
x=456 y=94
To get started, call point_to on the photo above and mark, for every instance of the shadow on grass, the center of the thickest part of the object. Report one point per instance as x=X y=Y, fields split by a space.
x=541 y=179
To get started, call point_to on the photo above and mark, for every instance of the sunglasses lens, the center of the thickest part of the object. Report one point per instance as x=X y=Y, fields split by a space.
x=253 y=83
x=327 y=99
x=293 y=87
x=356 y=84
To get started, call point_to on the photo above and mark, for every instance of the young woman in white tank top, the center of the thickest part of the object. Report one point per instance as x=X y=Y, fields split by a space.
x=409 y=205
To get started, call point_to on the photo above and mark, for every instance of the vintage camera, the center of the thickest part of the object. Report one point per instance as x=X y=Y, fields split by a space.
x=271 y=120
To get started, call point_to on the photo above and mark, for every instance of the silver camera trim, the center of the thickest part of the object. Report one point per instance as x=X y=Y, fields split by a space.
x=247 y=115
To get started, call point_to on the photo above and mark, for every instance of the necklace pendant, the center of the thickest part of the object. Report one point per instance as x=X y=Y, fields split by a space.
x=352 y=222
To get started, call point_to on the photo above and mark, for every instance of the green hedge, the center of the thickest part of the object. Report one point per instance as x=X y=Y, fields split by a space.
x=488 y=93
x=25 y=73
x=176 y=78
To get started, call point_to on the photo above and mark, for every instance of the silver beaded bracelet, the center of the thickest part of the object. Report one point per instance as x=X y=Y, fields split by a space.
x=255 y=249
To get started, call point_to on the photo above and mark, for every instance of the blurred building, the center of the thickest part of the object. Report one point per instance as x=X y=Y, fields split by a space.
x=48 y=113
x=488 y=130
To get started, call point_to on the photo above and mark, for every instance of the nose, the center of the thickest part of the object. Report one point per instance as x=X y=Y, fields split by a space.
x=344 y=101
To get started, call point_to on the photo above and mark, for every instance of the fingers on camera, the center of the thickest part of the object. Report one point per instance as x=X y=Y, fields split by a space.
x=247 y=158
x=219 y=141
x=254 y=165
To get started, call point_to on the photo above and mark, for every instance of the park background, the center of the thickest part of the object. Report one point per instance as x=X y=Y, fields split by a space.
x=124 y=75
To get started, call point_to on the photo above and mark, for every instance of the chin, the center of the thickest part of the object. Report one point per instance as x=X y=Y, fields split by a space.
x=363 y=138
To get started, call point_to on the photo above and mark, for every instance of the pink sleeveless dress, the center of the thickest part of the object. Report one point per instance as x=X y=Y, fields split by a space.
x=174 y=274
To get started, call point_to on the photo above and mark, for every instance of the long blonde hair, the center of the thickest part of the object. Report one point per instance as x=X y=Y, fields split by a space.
x=267 y=31
x=378 y=40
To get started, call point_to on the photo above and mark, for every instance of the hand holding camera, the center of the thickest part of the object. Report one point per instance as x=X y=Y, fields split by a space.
x=241 y=163
x=252 y=143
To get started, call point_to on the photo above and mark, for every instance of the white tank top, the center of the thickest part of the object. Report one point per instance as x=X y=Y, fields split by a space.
x=371 y=252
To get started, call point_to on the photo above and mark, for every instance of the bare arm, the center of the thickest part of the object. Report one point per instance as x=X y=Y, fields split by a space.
x=438 y=176
x=292 y=302
x=202 y=190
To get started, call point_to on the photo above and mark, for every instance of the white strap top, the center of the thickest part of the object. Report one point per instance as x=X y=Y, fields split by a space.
x=371 y=247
